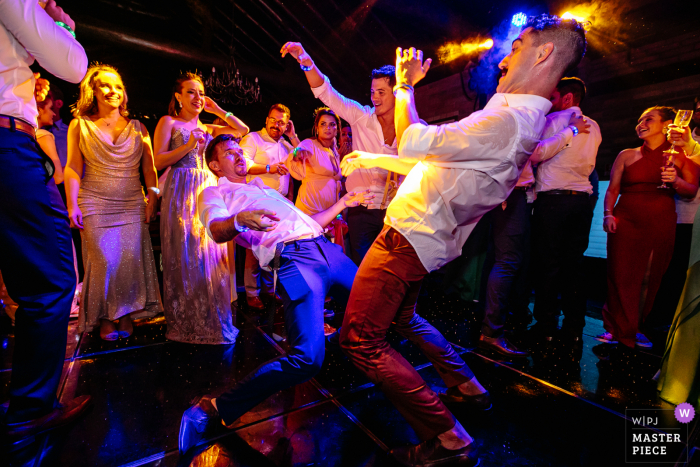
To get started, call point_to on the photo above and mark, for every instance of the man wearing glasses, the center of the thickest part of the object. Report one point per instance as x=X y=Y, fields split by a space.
x=265 y=152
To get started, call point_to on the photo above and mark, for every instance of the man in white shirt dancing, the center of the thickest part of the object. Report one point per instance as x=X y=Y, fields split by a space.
x=36 y=257
x=373 y=131
x=455 y=174
x=310 y=266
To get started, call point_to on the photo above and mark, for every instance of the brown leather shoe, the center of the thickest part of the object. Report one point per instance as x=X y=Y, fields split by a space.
x=255 y=303
x=61 y=415
x=455 y=396
x=431 y=453
x=501 y=345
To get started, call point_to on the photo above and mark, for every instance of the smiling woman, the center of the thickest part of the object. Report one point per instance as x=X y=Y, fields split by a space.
x=107 y=203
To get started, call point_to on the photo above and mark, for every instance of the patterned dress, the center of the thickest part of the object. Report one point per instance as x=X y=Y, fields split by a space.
x=196 y=288
x=120 y=273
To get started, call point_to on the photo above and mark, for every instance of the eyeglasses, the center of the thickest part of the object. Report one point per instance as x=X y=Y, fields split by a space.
x=276 y=122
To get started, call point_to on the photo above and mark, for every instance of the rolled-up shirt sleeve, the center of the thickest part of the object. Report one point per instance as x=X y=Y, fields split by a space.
x=469 y=139
x=211 y=206
x=347 y=109
x=249 y=147
x=51 y=45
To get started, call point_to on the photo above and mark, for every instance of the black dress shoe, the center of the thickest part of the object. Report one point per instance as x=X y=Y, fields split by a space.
x=196 y=421
x=501 y=345
x=455 y=396
x=62 y=415
x=431 y=453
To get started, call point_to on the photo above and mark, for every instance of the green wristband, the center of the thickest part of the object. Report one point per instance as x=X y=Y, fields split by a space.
x=66 y=27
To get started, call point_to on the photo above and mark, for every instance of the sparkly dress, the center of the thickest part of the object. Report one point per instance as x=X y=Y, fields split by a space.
x=120 y=273
x=196 y=288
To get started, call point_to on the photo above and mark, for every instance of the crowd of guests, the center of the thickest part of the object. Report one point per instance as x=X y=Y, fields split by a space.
x=528 y=176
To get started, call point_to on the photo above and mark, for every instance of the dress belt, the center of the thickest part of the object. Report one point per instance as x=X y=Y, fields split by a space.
x=16 y=124
x=562 y=192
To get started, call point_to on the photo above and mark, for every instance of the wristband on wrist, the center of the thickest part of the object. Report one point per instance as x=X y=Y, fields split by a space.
x=574 y=129
x=267 y=168
x=605 y=217
x=405 y=86
x=306 y=68
x=240 y=228
x=66 y=27
x=154 y=190
x=228 y=114
x=294 y=153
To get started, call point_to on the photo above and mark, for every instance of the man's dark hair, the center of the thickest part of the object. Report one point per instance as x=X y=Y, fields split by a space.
x=210 y=153
x=387 y=71
x=568 y=35
x=572 y=85
x=280 y=108
x=697 y=99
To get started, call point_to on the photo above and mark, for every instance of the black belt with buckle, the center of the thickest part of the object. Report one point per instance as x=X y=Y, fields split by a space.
x=563 y=192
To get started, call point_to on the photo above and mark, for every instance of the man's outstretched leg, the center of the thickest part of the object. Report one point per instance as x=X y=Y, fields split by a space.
x=388 y=278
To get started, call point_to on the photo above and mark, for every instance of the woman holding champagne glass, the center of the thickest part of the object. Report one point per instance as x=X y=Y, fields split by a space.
x=641 y=226
x=196 y=288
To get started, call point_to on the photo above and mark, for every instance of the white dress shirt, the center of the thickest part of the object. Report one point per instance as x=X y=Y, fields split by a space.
x=27 y=32
x=686 y=208
x=228 y=199
x=258 y=147
x=366 y=136
x=566 y=162
x=464 y=170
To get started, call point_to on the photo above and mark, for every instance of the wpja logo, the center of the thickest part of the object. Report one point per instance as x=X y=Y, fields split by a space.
x=657 y=435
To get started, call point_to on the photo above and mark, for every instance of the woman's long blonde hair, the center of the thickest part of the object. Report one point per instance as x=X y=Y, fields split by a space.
x=87 y=103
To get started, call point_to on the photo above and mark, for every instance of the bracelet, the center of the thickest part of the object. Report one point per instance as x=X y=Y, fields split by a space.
x=240 y=228
x=227 y=115
x=607 y=210
x=154 y=190
x=574 y=129
x=605 y=217
x=294 y=153
x=306 y=68
x=66 y=27
x=267 y=168
x=405 y=86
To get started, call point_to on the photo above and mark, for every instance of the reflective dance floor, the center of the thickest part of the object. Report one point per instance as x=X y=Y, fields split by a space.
x=564 y=406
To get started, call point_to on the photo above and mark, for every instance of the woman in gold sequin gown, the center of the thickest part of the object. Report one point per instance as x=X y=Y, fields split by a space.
x=107 y=203
x=196 y=280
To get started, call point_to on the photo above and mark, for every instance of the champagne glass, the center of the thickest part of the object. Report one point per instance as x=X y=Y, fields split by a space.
x=681 y=121
x=669 y=159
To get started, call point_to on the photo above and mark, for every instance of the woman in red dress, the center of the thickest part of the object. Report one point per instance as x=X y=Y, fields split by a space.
x=641 y=227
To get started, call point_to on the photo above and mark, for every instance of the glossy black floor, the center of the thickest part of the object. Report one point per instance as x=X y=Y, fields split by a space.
x=565 y=406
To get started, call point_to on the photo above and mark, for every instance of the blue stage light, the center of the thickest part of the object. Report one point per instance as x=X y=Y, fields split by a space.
x=519 y=19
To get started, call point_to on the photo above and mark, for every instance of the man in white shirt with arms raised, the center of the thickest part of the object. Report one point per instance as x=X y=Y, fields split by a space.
x=36 y=256
x=455 y=174
x=373 y=131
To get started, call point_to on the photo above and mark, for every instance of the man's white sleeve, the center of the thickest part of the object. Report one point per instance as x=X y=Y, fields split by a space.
x=473 y=138
x=249 y=146
x=211 y=206
x=347 y=109
x=51 y=45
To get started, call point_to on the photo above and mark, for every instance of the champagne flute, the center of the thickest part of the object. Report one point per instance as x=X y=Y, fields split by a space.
x=681 y=121
x=669 y=157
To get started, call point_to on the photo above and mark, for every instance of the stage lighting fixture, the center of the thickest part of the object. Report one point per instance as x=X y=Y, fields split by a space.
x=569 y=15
x=519 y=19
x=487 y=44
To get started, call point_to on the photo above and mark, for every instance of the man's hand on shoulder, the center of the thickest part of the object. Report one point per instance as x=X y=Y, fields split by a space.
x=580 y=123
x=262 y=220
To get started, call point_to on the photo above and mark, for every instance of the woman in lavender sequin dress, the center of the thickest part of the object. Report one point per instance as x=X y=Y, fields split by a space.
x=196 y=286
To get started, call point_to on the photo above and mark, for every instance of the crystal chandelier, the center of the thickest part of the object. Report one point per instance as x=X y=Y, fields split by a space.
x=229 y=87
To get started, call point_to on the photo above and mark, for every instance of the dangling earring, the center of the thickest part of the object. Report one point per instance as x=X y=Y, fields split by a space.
x=665 y=130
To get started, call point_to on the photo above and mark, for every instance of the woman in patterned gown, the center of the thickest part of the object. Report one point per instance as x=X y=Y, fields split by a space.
x=196 y=288
x=107 y=203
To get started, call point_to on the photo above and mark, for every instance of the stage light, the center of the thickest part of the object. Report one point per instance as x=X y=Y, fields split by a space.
x=569 y=15
x=452 y=50
x=487 y=44
x=519 y=19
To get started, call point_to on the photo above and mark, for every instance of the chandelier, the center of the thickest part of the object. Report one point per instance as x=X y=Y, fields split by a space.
x=227 y=86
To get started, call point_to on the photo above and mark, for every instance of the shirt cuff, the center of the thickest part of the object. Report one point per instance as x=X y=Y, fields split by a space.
x=322 y=88
x=416 y=141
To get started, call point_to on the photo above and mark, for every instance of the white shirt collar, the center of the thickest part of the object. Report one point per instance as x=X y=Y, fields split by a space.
x=255 y=181
x=519 y=100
